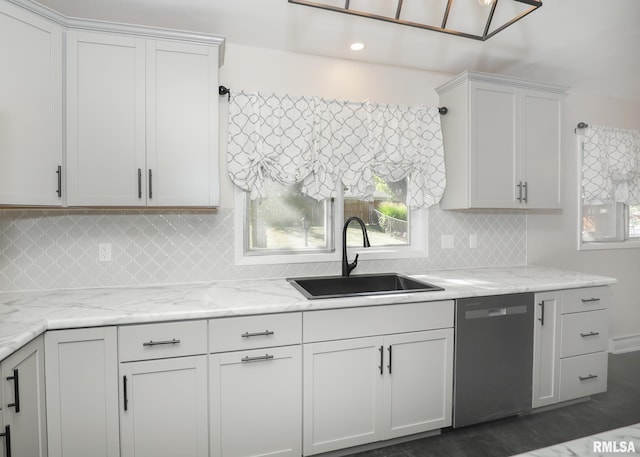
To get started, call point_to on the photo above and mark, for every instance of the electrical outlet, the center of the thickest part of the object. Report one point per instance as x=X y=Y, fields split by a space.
x=473 y=241
x=104 y=252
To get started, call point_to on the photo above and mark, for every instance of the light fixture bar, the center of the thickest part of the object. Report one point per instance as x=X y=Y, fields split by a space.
x=535 y=4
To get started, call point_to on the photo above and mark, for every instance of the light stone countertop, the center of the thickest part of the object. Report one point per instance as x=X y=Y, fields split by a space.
x=25 y=315
x=621 y=441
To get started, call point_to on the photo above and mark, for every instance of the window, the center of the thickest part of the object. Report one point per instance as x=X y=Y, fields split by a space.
x=291 y=227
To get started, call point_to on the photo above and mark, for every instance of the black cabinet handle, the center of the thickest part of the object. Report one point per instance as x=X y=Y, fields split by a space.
x=585 y=378
x=584 y=335
x=390 y=359
x=588 y=300
x=541 y=318
x=150 y=184
x=525 y=186
x=16 y=391
x=139 y=183
x=381 y=359
x=124 y=393
x=59 y=173
x=160 y=343
x=7 y=440
x=265 y=333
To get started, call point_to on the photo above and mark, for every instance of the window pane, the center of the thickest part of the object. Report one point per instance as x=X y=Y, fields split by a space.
x=603 y=222
x=386 y=217
x=634 y=221
x=288 y=221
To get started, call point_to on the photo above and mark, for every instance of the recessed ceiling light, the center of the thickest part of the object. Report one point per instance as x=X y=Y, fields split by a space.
x=357 y=46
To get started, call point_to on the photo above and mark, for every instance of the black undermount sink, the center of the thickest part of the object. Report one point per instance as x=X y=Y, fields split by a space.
x=359 y=285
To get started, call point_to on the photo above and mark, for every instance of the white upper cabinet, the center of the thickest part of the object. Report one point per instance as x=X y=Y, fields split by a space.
x=30 y=109
x=502 y=142
x=142 y=121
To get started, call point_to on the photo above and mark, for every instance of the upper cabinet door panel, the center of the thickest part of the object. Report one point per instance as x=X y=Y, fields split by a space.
x=541 y=145
x=105 y=119
x=182 y=122
x=30 y=108
x=493 y=135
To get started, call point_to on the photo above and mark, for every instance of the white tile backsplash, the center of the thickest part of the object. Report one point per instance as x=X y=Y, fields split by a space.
x=51 y=249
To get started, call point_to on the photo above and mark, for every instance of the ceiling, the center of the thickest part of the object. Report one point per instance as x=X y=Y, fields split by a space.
x=588 y=45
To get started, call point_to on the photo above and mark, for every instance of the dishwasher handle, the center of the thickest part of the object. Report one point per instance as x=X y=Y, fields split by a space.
x=495 y=312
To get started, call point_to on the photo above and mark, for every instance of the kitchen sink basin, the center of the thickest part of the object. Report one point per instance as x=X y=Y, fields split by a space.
x=359 y=285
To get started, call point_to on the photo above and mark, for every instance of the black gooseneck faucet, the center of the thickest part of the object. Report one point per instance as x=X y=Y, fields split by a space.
x=346 y=266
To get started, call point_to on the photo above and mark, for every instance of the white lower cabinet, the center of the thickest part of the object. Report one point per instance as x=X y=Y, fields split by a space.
x=23 y=407
x=82 y=392
x=545 y=352
x=164 y=408
x=367 y=389
x=256 y=401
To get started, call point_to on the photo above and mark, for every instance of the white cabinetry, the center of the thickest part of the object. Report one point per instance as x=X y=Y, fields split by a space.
x=583 y=342
x=163 y=390
x=31 y=109
x=383 y=373
x=82 y=392
x=545 y=348
x=256 y=386
x=23 y=406
x=502 y=142
x=142 y=121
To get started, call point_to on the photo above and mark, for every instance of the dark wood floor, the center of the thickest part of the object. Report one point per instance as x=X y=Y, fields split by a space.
x=618 y=407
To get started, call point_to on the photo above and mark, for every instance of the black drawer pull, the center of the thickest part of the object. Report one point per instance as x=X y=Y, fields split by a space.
x=159 y=343
x=265 y=333
x=584 y=335
x=256 y=359
x=7 y=440
x=587 y=300
x=585 y=378
x=16 y=391
x=125 y=396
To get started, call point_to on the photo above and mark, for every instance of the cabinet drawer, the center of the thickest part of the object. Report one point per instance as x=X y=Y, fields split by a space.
x=158 y=341
x=587 y=299
x=250 y=332
x=583 y=333
x=336 y=324
x=583 y=375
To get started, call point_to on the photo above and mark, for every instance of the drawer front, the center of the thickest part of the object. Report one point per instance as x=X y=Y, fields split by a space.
x=583 y=375
x=583 y=333
x=587 y=299
x=251 y=332
x=158 y=341
x=345 y=323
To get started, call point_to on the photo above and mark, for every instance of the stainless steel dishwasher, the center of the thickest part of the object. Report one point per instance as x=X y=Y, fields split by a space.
x=493 y=357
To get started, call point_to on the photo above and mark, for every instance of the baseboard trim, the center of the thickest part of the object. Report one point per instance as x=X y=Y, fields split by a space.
x=622 y=344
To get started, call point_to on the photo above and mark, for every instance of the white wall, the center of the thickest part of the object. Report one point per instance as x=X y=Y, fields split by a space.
x=552 y=239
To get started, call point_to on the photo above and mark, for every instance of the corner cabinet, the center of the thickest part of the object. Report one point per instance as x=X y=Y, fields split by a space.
x=142 y=121
x=30 y=109
x=502 y=142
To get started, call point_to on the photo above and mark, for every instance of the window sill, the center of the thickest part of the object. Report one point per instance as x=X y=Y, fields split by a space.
x=600 y=246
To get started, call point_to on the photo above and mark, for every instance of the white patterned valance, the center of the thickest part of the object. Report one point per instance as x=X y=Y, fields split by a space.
x=319 y=142
x=611 y=166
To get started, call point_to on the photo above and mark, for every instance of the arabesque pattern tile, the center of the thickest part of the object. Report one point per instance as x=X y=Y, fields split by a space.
x=51 y=249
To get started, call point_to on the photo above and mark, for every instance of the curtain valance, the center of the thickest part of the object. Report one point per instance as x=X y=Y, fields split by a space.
x=319 y=142
x=611 y=166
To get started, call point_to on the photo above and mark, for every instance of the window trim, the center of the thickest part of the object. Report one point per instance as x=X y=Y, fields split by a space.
x=419 y=247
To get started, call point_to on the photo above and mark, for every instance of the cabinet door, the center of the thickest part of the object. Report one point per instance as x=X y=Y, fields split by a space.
x=494 y=162
x=24 y=400
x=540 y=145
x=31 y=108
x=105 y=120
x=82 y=392
x=164 y=408
x=182 y=124
x=545 y=342
x=342 y=400
x=256 y=403
x=419 y=382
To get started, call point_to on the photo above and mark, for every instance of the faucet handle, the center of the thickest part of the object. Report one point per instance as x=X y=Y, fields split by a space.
x=353 y=264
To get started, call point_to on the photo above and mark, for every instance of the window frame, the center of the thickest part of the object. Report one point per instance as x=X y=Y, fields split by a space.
x=628 y=243
x=419 y=222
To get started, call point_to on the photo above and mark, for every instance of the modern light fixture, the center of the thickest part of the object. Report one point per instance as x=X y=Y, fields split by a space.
x=357 y=46
x=475 y=19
